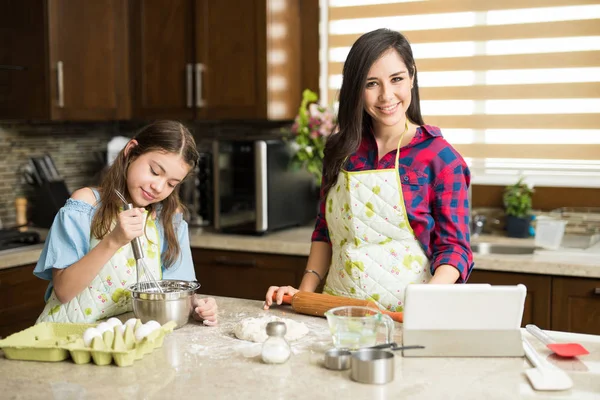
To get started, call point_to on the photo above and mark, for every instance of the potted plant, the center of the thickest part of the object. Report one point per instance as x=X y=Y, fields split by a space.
x=517 y=206
x=313 y=124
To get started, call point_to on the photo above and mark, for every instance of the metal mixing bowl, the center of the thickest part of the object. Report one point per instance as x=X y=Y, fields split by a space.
x=175 y=304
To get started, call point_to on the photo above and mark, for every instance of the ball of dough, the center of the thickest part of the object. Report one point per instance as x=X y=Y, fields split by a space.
x=254 y=329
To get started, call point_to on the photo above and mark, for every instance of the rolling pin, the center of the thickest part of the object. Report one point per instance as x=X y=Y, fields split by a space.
x=317 y=303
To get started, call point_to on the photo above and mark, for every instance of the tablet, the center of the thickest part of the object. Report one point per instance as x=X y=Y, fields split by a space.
x=464 y=319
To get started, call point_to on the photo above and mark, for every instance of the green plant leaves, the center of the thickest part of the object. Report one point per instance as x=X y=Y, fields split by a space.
x=309 y=135
x=517 y=199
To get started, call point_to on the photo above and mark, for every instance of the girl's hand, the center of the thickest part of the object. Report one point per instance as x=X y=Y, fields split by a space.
x=130 y=224
x=205 y=310
x=281 y=290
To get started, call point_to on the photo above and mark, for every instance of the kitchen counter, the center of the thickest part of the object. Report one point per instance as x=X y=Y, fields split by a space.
x=296 y=242
x=209 y=362
x=20 y=256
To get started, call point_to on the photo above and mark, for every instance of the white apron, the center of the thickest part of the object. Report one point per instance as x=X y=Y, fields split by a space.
x=107 y=294
x=375 y=254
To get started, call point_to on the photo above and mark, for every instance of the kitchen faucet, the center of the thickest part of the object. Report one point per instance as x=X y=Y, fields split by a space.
x=476 y=222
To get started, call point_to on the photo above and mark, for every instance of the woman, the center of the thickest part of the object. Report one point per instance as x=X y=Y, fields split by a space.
x=88 y=258
x=394 y=207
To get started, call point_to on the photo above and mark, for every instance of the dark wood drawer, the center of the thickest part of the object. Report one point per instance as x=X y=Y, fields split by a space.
x=576 y=305
x=21 y=298
x=245 y=275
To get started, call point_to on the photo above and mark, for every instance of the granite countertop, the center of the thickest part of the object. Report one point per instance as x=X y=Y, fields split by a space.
x=209 y=362
x=296 y=242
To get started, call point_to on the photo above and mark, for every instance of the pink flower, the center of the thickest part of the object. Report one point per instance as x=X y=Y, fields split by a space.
x=313 y=124
x=315 y=111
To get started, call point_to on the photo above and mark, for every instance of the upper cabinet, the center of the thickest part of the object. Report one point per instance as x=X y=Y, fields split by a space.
x=182 y=59
x=226 y=59
x=64 y=60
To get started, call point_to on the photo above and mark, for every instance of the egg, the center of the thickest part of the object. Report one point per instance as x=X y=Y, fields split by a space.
x=142 y=332
x=89 y=335
x=121 y=329
x=114 y=322
x=153 y=325
x=131 y=322
x=103 y=327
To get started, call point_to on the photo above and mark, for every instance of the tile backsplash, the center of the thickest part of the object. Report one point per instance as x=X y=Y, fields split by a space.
x=78 y=150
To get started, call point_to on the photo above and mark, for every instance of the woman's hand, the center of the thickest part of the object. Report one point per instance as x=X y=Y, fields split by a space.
x=205 y=310
x=130 y=224
x=281 y=290
x=445 y=274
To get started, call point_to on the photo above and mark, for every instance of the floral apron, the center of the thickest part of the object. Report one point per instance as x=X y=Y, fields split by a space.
x=375 y=253
x=107 y=294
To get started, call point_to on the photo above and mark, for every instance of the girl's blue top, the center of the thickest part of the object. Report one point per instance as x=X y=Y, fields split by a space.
x=69 y=240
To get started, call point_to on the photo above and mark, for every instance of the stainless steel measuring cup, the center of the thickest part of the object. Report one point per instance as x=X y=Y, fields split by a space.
x=373 y=366
x=341 y=359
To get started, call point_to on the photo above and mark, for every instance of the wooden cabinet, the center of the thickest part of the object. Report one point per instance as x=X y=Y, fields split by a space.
x=21 y=298
x=225 y=59
x=67 y=60
x=537 y=302
x=553 y=302
x=162 y=58
x=245 y=275
x=576 y=305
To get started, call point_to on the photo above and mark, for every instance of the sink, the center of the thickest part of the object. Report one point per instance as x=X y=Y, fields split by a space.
x=495 y=248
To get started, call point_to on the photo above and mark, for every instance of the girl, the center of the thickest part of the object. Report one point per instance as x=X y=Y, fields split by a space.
x=394 y=207
x=87 y=256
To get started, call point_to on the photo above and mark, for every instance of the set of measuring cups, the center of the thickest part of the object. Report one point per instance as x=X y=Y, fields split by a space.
x=363 y=340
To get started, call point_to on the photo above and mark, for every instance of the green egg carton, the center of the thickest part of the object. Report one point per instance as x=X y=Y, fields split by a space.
x=51 y=341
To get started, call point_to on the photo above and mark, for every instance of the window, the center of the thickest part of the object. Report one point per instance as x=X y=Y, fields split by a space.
x=514 y=85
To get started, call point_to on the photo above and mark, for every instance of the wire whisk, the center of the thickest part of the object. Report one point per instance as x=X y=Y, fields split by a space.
x=145 y=278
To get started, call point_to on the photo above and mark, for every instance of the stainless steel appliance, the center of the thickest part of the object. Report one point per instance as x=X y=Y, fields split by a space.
x=256 y=191
x=12 y=238
x=196 y=192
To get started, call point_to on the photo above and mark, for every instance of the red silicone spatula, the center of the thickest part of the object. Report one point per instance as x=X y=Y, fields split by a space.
x=561 y=349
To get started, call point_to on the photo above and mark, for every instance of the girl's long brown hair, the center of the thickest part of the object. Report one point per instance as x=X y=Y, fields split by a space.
x=163 y=136
x=353 y=120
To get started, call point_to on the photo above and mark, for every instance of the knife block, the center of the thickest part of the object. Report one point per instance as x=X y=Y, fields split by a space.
x=49 y=198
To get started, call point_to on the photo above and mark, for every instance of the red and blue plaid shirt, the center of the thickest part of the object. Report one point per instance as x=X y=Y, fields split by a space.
x=435 y=181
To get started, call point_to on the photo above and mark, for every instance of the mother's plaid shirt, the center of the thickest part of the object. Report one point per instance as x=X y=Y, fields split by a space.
x=434 y=180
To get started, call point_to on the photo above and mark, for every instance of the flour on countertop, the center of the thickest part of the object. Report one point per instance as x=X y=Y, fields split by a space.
x=220 y=342
x=253 y=329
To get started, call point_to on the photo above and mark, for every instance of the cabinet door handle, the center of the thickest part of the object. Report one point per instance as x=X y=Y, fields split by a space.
x=13 y=67
x=60 y=82
x=188 y=84
x=597 y=290
x=237 y=263
x=199 y=100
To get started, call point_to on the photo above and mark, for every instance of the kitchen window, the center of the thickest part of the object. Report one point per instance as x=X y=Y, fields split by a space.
x=514 y=85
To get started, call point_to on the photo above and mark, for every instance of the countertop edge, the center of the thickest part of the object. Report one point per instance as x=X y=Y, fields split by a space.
x=296 y=242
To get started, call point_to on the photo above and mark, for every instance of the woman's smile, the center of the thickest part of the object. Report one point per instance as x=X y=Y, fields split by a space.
x=391 y=109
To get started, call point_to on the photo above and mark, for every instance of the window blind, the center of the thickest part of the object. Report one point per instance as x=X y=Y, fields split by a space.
x=514 y=84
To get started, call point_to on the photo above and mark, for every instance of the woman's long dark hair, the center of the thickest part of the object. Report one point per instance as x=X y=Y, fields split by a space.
x=353 y=120
x=163 y=136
